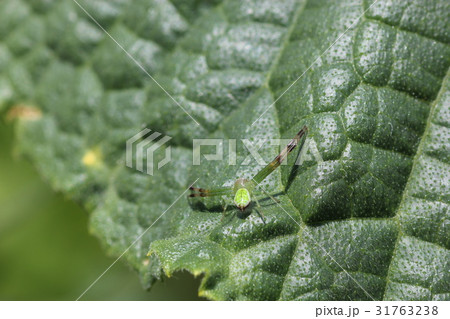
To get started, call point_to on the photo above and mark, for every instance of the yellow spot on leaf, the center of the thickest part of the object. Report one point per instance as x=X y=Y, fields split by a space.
x=92 y=157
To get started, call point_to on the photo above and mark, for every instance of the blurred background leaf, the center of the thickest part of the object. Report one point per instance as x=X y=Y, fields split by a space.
x=46 y=252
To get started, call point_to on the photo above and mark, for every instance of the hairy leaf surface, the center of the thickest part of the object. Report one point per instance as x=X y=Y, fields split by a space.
x=367 y=219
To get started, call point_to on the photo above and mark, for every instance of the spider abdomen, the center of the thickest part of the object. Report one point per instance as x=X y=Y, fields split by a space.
x=242 y=198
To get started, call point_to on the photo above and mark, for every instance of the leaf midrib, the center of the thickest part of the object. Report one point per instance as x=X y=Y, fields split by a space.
x=419 y=152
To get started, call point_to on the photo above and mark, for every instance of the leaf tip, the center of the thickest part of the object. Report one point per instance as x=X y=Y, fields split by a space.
x=197 y=273
x=24 y=112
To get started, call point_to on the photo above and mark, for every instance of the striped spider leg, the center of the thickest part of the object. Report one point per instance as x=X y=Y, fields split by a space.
x=243 y=189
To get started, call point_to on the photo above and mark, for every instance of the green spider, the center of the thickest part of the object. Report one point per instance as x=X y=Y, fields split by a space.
x=243 y=188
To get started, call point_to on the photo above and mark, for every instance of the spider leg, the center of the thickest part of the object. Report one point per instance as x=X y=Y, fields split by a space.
x=271 y=197
x=225 y=206
x=262 y=174
x=202 y=192
x=259 y=213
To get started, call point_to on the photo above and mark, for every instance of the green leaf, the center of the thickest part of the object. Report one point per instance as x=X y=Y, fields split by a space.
x=370 y=221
